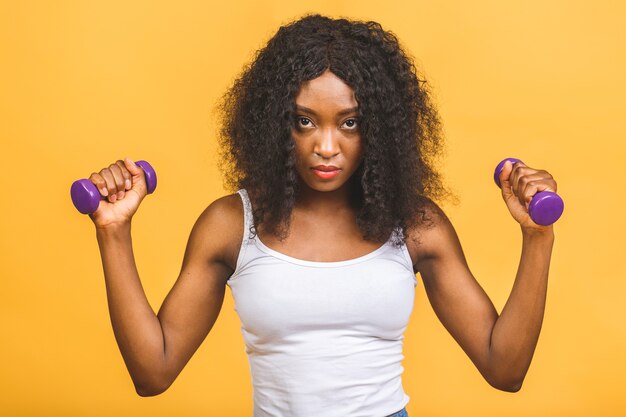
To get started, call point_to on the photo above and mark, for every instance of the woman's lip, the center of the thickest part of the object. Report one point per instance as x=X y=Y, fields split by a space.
x=326 y=168
x=326 y=174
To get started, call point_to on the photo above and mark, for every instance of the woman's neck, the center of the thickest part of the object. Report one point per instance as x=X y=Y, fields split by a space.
x=324 y=202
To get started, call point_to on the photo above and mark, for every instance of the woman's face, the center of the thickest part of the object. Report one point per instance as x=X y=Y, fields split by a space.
x=327 y=139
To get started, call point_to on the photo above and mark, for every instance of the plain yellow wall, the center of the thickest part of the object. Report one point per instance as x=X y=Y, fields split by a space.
x=83 y=84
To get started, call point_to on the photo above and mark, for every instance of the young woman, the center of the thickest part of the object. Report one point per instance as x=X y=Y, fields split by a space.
x=330 y=139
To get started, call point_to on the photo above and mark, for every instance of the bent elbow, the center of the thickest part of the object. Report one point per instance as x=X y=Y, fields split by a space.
x=512 y=386
x=152 y=389
x=153 y=382
x=144 y=391
x=147 y=392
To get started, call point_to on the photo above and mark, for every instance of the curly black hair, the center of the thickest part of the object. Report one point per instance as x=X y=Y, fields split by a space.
x=400 y=127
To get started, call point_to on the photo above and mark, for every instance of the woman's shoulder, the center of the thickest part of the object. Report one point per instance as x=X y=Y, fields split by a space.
x=224 y=211
x=431 y=233
x=227 y=205
x=220 y=226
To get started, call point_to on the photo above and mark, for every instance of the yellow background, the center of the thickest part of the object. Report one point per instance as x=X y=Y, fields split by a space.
x=83 y=84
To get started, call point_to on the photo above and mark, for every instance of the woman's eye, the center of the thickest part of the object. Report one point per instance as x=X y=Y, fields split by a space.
x=306 y=122
x=303 y=122
x=351 y=123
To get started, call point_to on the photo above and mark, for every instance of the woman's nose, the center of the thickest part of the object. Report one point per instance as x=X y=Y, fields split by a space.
x=327 y=144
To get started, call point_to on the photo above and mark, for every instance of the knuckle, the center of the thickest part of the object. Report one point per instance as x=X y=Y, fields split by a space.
x=121 y=166
x=126 y=173
x=98 y=182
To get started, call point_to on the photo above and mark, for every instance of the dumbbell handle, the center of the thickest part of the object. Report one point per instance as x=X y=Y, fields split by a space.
x=545 y=207
x=86 y=197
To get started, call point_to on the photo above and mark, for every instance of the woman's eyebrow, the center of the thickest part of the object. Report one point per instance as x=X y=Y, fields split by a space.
x=340 y=113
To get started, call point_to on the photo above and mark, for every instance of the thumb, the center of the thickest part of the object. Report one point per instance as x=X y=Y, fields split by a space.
x=133 y=168
x=505 y=174
x=139 y=179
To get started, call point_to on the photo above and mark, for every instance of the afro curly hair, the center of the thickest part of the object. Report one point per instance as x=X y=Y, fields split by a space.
x=400 y=128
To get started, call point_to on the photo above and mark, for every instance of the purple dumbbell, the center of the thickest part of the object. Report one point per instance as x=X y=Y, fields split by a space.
x=86 y=197
x=545 y=207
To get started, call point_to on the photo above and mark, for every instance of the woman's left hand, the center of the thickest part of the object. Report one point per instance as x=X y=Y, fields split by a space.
x=519 y=184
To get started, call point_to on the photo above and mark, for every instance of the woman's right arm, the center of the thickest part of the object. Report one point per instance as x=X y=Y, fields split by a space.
x=155 y=348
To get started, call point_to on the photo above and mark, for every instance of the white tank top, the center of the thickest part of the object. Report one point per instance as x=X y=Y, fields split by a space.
x=323 y=339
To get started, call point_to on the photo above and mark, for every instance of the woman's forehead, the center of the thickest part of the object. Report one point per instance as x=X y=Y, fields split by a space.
x=326 y=90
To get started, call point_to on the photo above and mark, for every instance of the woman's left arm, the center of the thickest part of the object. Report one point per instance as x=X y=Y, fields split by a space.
x=501 y=346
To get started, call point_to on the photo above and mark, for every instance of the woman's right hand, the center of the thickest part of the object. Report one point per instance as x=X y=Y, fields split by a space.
x=123 y=184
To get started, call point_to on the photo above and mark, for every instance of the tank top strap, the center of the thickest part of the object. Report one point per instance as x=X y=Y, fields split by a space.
x=249 y=231
x=408 y=262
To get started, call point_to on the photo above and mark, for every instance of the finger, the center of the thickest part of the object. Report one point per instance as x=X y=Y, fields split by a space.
x=529 y=186
x=516 y=173
x=126 y=173
x=522 y=182
x=522 y=175
x=548 y=180
x=553 y=185
x=100 y=183
x=538 y=180
x=110 y=184
x=119 y=179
